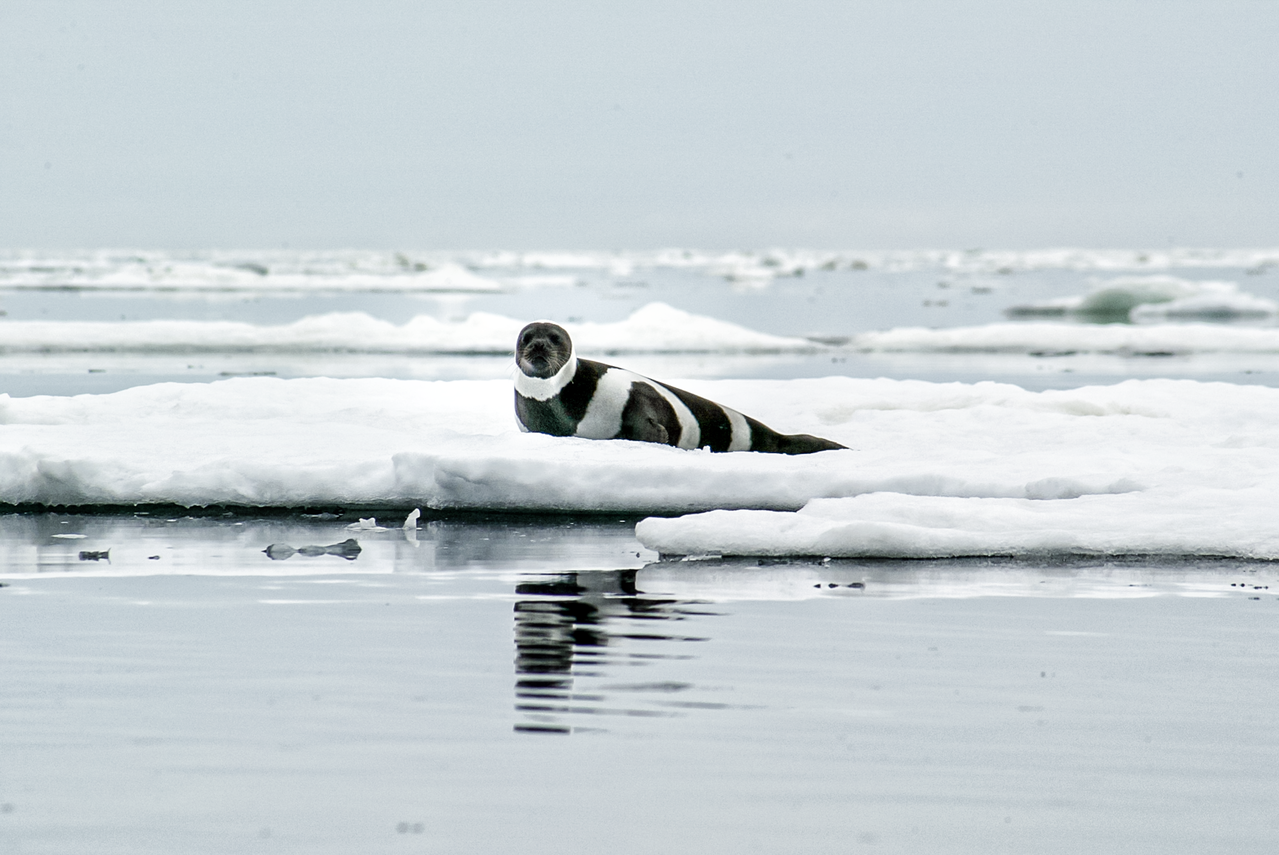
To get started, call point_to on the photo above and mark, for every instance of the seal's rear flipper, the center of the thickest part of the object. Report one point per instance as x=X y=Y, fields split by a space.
x=802 y=443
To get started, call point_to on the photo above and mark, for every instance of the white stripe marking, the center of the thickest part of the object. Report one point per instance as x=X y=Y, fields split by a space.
x=603 y=418
x=741 y=431
x=545 y=388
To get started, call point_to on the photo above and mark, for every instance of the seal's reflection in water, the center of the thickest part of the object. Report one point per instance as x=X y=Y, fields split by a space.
x=576 y=626
x=573 y=631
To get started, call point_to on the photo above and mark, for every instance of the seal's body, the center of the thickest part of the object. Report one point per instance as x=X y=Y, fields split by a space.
x=559 y=394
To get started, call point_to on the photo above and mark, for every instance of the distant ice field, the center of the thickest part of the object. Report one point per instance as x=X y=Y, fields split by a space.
x=106 y=320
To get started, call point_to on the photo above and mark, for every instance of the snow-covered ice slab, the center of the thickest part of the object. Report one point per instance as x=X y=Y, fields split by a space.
x=1143 y=467
x=1218 y=522
x=655 y=328
x=1049 y=338
x=263 y=442
x=1155 y=466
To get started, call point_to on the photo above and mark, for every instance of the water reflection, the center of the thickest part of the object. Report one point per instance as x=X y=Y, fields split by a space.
x=170 y=542
x=576 y=629
x=1103 y=576
x=212 y=542
x=348 y=549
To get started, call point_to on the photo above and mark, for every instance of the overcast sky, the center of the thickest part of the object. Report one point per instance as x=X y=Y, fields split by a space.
x=609 y=125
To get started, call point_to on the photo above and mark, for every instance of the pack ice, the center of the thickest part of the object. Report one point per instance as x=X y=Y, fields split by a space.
x=933 y=469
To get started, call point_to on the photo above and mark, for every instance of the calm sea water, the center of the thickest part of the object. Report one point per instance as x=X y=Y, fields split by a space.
x=531 y=685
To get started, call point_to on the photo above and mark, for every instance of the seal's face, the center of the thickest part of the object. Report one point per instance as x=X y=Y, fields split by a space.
x=542 y=349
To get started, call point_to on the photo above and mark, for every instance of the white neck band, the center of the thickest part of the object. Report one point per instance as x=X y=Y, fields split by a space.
x=545 y=388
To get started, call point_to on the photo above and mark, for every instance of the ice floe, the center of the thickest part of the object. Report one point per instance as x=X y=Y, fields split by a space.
x=362 y=270
x=934 y=469
x=1147 y=299
x=1171 y=521
x=752 y=265
x=1047 y=338
x=1218 y=305
x=1159 y=467
x=654 y=328
x=150 y=271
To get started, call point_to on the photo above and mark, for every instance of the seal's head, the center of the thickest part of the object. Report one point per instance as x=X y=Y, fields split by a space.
x=542 y=349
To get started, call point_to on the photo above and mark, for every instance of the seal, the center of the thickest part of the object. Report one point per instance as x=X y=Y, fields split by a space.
x=559 y=394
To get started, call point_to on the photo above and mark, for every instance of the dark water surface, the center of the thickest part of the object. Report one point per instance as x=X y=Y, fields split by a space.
x=509 y=684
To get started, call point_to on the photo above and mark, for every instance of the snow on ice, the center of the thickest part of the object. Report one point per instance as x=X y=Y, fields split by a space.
x=1142 y=467
x=1047 y=337
x=655 y=328
x=203 y=272
x=934 y=469
x=1149 y=302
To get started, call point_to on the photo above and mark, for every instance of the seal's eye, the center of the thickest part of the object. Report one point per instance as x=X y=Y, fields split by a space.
x=555 y=339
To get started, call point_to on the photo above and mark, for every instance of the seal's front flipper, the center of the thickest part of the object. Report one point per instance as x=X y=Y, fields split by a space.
x=646 y=430
x=646 y=415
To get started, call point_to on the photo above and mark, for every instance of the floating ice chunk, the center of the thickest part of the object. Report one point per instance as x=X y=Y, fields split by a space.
x=1169 y=521
x=1047 y=338
x=1224 y=305
x=451 y=277
x=544 y=280
x=1117 y=297
x=1153 y=298
x=744 y=270
x=366 y=524
x=410 y=522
